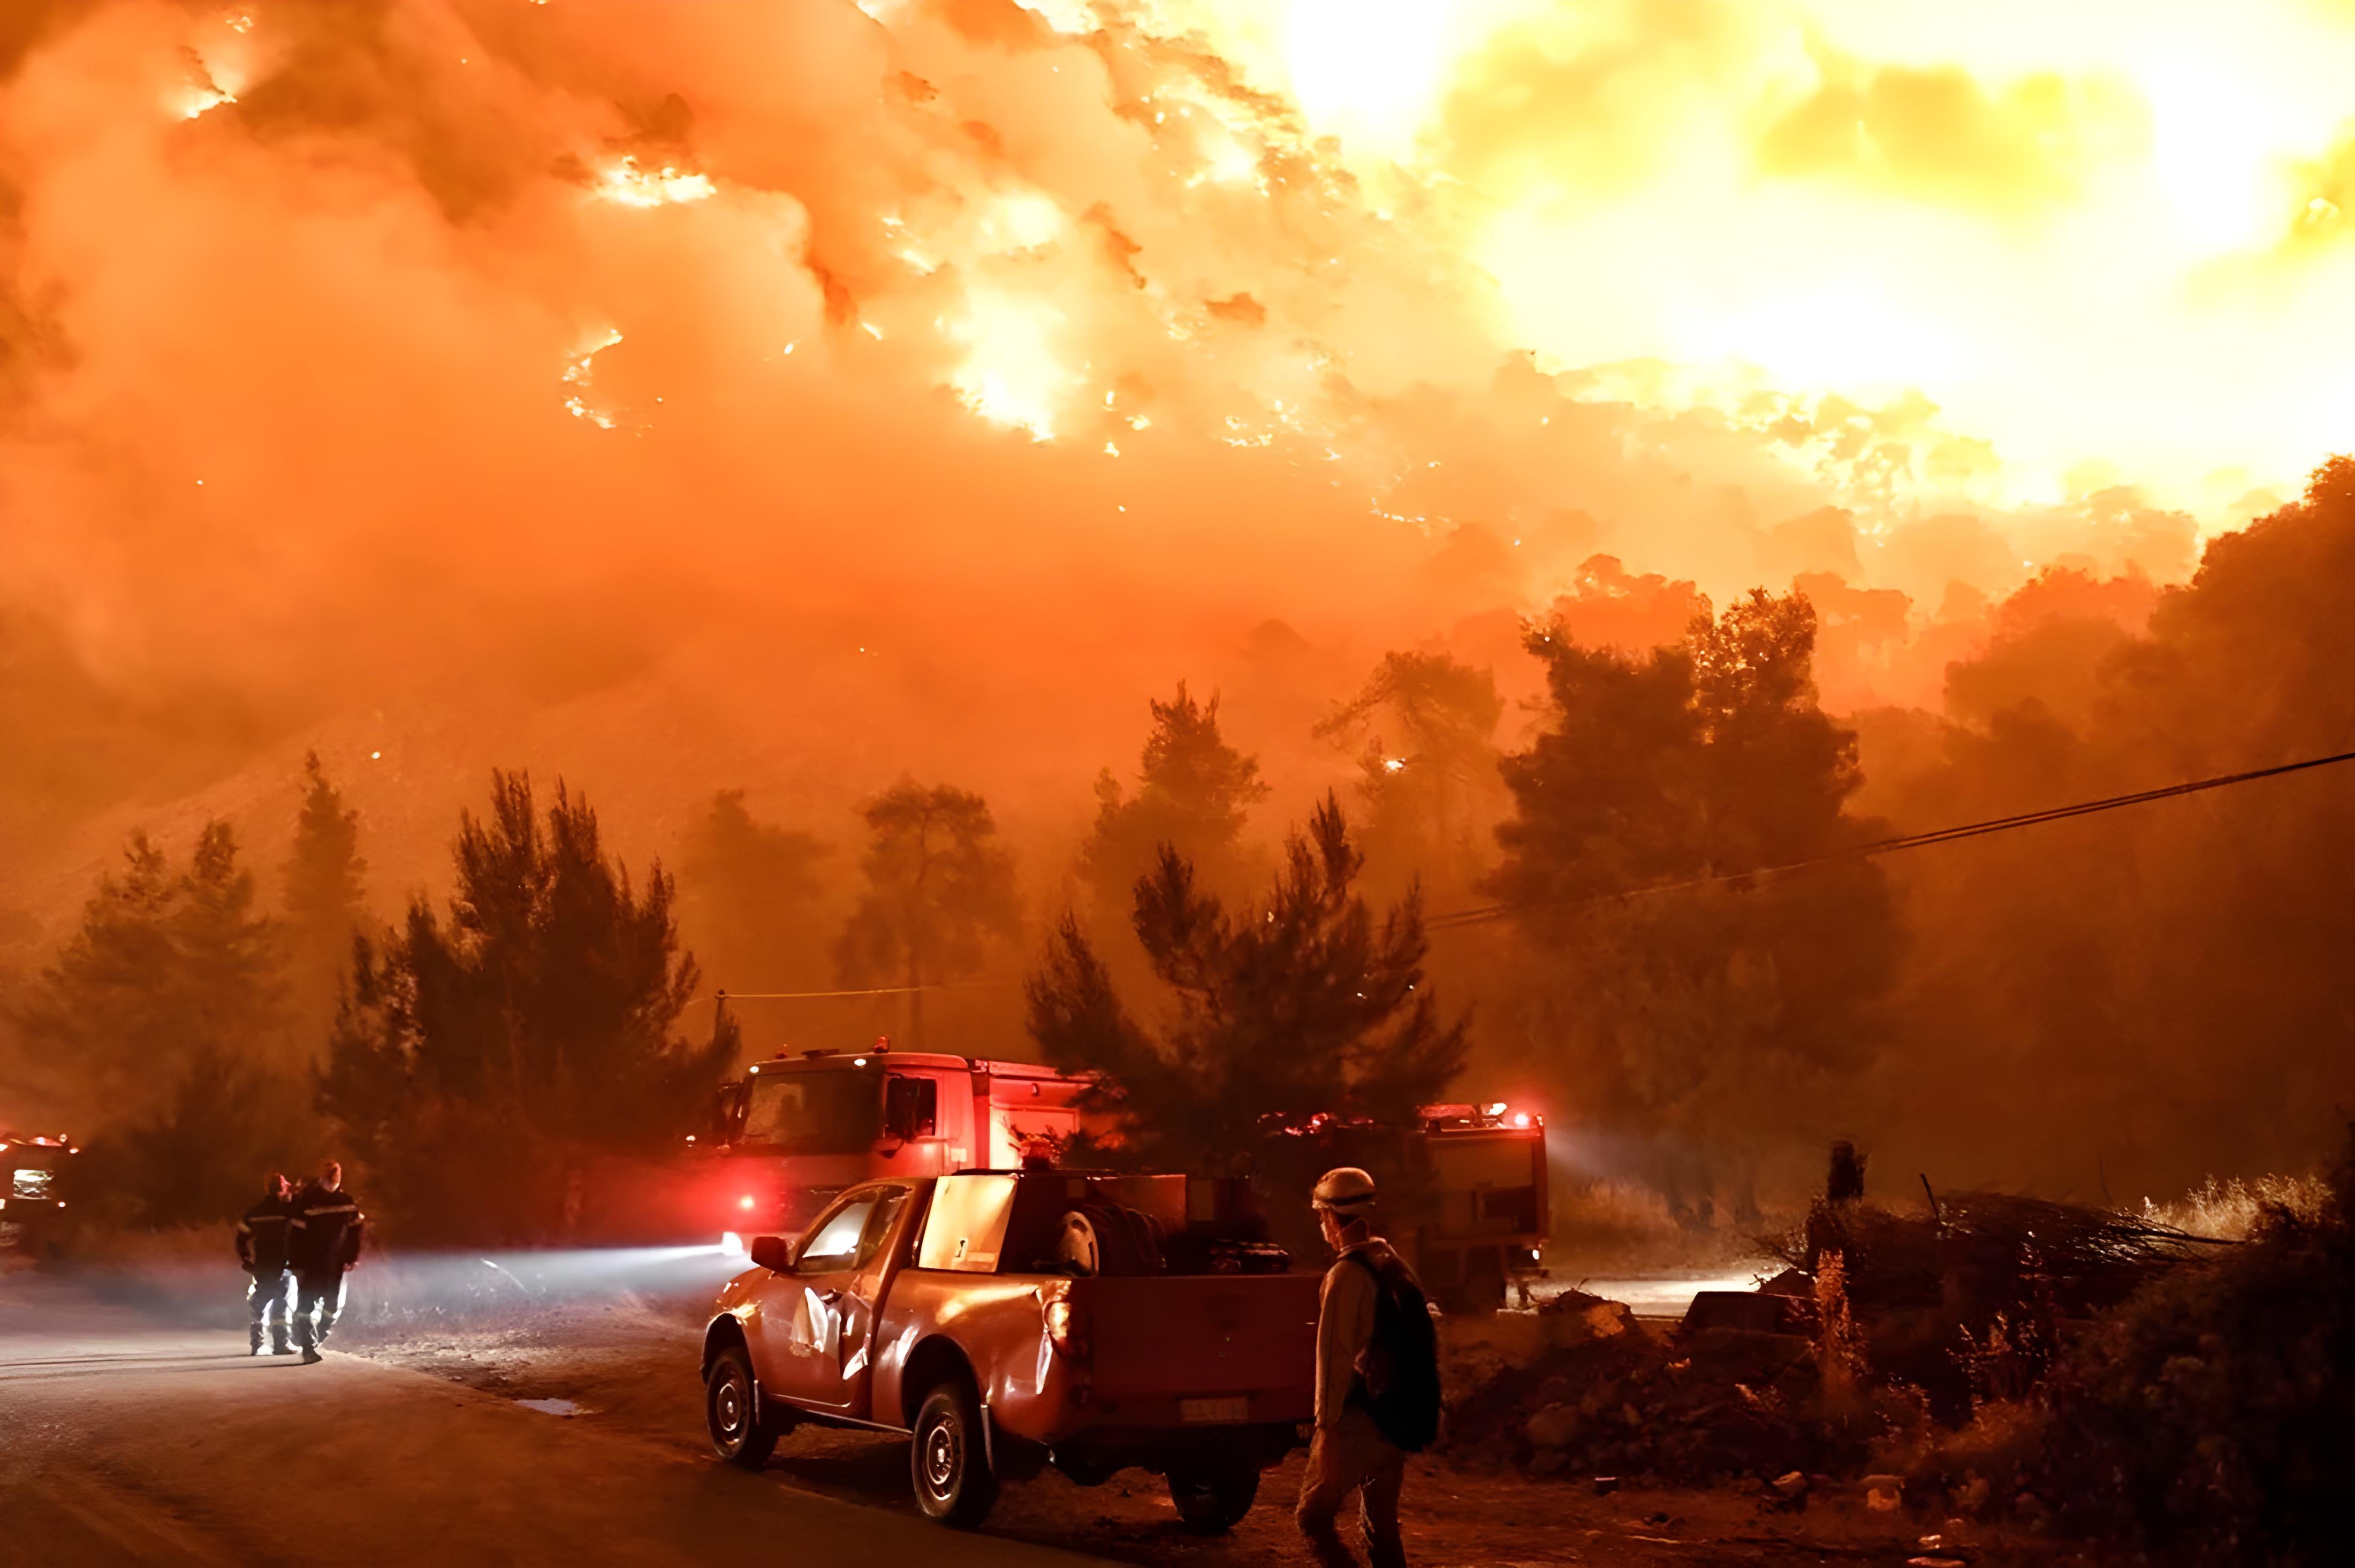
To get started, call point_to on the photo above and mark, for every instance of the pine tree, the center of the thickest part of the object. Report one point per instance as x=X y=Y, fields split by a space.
x=1294 y=1004
x=322 y=894
x=1192 y=792
x=940 y=891
x=480 y=1061
x=1696 y=1014
x=750 y=898
x=1428 y=769
x=159 y=1022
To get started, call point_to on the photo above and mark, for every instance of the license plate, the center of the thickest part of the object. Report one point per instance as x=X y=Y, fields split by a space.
x=1214 y=1409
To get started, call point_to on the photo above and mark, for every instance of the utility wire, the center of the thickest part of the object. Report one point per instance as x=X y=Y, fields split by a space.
x=871 y=991
x=1485 y=914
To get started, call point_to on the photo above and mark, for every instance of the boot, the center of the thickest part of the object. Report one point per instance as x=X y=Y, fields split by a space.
x=282 y=1346
x=311 y=1357
x=254 y=1340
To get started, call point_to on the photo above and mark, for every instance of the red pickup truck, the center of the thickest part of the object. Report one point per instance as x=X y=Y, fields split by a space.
x=1008 y=1321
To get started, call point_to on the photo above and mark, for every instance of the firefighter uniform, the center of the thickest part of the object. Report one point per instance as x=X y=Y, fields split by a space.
x=1348 y=1453
x=323 y=1239
x=261 y=1239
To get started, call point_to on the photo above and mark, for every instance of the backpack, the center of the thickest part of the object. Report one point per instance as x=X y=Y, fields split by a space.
x=1404 y=1359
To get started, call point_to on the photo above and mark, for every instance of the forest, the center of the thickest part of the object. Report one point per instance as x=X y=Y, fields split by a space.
x=1637 y=902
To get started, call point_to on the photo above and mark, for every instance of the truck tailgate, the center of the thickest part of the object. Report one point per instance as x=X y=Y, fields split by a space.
x=1231 y=1347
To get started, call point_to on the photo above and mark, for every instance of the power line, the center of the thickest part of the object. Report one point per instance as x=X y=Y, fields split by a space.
x=1485 y=914
x=870 y=991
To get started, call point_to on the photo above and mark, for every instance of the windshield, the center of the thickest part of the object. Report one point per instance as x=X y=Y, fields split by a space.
x=813 y=1112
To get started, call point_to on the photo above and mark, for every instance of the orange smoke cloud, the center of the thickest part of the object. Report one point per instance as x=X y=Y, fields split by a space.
x=830 y=390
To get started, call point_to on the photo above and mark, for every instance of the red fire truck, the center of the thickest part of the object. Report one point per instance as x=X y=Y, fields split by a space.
x=1482 y=1223
x=33 y=1177
x=795 y=1130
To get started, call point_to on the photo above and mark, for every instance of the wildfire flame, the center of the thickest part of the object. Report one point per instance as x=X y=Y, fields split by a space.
x=626 y=183
x=580 y=371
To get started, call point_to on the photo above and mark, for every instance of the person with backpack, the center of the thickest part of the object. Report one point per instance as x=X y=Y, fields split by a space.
x=1377 y=1379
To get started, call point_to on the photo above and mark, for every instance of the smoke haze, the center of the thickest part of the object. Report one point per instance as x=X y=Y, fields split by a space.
x=791 y=397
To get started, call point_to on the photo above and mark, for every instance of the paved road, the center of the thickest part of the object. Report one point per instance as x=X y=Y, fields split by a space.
x=127 y=1440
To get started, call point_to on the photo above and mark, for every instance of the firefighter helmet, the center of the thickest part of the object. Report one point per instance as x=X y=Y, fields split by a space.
x=1346 y=1192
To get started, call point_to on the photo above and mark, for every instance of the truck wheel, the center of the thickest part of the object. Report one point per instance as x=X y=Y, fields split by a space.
x=729 y=1406
x=1213 y=1499
x=950 y=1468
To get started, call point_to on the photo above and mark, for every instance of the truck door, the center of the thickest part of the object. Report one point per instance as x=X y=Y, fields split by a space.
x=821 y=1342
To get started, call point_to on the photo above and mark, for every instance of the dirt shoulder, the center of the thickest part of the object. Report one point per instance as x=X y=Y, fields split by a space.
x=630 y=1367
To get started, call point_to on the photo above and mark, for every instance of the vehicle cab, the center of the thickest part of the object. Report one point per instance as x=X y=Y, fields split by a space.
x=799 y=1129
x=1009 y=1320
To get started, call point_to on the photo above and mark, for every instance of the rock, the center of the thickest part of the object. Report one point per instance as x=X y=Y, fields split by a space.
x=1750 y=1312
x=1605 y=1485
x=1554 y=1390
x=1574 y=1318
x=1568 y=1301
x=1970 y=1498
x=1790 y=1483
x=1884 y=1494
x=1554 y=1427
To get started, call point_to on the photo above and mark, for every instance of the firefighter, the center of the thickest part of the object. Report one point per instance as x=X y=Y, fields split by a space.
x=262 y=1252
x=323 y=1241
x=1377 y=1379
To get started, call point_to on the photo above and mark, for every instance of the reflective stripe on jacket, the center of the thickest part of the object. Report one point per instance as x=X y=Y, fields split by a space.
x=262 y=1235
x=326 y=1230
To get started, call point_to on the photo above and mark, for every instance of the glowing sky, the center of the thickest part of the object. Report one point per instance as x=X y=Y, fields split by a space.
x=2108 y=233
x=908 y=289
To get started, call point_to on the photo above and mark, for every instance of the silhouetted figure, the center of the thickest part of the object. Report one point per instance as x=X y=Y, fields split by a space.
x=1846 y=1181
x=1378 y=1393
x=325 y=1241
x=262 y=1238
x=1827 y=1217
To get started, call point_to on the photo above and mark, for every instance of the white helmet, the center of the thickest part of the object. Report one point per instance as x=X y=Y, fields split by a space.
x=1346 y=1192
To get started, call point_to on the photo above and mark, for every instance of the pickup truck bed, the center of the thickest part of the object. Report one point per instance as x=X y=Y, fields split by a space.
x=907 y=1307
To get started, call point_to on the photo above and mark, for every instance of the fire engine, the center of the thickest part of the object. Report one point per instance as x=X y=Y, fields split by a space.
x=1485 y=1213
x=33 y=1178
x=797 y=1129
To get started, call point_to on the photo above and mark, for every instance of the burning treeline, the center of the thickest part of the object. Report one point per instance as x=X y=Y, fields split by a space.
x=2120 y=1005
x=687 y=401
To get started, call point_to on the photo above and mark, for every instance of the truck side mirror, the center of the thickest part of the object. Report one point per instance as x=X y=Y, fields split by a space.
x=773 y=1253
